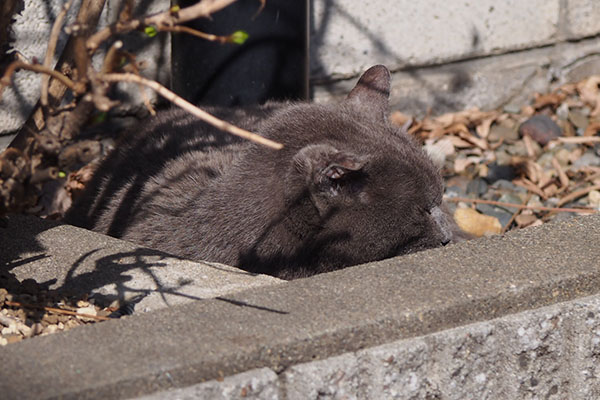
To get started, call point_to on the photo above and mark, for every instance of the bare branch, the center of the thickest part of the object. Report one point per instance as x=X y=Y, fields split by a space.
x=51 y=49
x=161 y=20
x=521 y=206
x=192 y=109
x=16 y=65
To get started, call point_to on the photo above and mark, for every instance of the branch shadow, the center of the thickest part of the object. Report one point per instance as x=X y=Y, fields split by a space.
x=443 y=99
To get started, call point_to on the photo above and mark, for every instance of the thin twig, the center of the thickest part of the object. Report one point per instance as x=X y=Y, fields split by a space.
x=168 y=18
x=55 y=310
x=521 y=206
x=195 y=32
x=579 y=139
x=16 y=65
x=577 y=194
x=192 y=109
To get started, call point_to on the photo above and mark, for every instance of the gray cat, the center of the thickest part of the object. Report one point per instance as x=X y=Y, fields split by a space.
x=347 y=188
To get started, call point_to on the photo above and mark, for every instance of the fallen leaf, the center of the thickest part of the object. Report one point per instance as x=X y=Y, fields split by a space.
x=548 y=99
x=475 y=223
x=563 y=178
x=399 y=118
x=524 y=220
x=592 y=128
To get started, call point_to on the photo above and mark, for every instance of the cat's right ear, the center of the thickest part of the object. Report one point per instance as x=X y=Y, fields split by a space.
x=329 y=173
x=372 y=92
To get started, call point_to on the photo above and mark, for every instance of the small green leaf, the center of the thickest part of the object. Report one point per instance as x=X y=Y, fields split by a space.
x=150 y=31
x=238 y=37
x=61 y=174
x=100 y=117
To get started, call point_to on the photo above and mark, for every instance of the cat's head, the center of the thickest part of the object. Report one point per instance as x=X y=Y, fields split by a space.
x=376 y=192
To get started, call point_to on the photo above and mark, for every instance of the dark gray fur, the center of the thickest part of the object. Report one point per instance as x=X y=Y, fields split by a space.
x=347 y=188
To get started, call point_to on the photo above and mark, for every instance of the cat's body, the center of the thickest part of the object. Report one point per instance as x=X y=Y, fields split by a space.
x=346 y=188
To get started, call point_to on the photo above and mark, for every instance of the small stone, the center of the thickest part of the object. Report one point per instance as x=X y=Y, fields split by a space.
x=504 y=185
x=3 y=341
x=545 y=160
x=579 y=119
x=477 y=187
x=454 y=191
x=13 y=338
x=562 y=156
x=562 y=112
x=501 y=132
x=9 y=330
x=540 y=128
x=25 y=330
x=588 y=159
x=517 y=149
x=502 y=156
x=501 y=214
x=512 y=108
x=524 y=220
x=510 y=198
x=535 y=201
x=594 y=199
x=51 y=329
x=51 y=319
x=500 y=172
x=82 y=303
x=37 y=328
x=86 y=310
x=72 y=323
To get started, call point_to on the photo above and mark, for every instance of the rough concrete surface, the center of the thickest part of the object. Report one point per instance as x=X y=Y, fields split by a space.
x=542 y=353
x=582 y=18
x=83 y=262
x=282 y=327
x=258 y=384
x=348 y=35
x=546 y=353
x=486 y=83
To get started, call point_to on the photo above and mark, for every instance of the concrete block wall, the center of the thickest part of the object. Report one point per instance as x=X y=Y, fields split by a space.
x=349 y=35
x=455 y=54
x=550 y=353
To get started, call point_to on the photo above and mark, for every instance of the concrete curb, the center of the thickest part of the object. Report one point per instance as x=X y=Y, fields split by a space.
x=283 y=326
x=78 y=261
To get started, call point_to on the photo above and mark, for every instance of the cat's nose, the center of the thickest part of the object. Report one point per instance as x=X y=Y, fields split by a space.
x=443 y=226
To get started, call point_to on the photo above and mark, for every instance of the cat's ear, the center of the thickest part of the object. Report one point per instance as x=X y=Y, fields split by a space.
x=372 y=92
x=329 y=173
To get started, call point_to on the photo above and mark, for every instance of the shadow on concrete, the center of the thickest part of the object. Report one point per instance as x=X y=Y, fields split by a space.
x=443 y=98
x=128 y=276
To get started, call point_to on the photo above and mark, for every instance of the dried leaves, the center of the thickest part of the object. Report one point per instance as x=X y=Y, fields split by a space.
x=41 y=159
x=547 y=156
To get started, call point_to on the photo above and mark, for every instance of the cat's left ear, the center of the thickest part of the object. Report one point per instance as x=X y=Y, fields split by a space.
x=372 y=92
x=329 y=173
